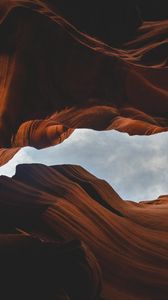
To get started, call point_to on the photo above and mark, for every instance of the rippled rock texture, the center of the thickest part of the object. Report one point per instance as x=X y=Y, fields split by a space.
x=65 y=234
x=123 y=248
x=58 y=72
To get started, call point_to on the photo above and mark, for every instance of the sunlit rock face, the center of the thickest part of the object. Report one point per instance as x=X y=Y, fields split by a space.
x=123 y=244
x=55 y=78
x=63 y=231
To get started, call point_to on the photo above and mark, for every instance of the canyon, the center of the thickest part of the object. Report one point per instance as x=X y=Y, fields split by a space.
x=65 y=234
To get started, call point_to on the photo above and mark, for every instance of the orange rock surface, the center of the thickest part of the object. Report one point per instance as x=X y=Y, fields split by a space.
x=65 y=234
x=62 y=203
x=55 y=78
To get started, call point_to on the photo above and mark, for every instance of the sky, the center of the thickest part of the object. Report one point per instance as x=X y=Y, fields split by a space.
x=136 y=167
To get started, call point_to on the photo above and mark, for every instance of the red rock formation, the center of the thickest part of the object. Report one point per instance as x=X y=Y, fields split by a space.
x=55 y=78
x=129 y=240
x=33 y=269
x=35 y=259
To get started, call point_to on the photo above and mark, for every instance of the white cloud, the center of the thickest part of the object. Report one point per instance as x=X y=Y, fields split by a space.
x=135 y=166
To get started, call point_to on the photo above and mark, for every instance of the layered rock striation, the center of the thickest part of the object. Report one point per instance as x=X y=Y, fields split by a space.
x=56 y=75
x=124 y=252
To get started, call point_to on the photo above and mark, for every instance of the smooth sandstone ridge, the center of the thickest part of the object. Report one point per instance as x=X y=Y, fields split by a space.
x=90 y=243
x=55 y=78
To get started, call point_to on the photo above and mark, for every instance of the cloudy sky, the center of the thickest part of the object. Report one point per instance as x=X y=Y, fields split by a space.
x=136 y=167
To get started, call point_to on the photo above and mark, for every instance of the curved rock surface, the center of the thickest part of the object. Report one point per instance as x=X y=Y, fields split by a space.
x=55 y=78
x=62 y=203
